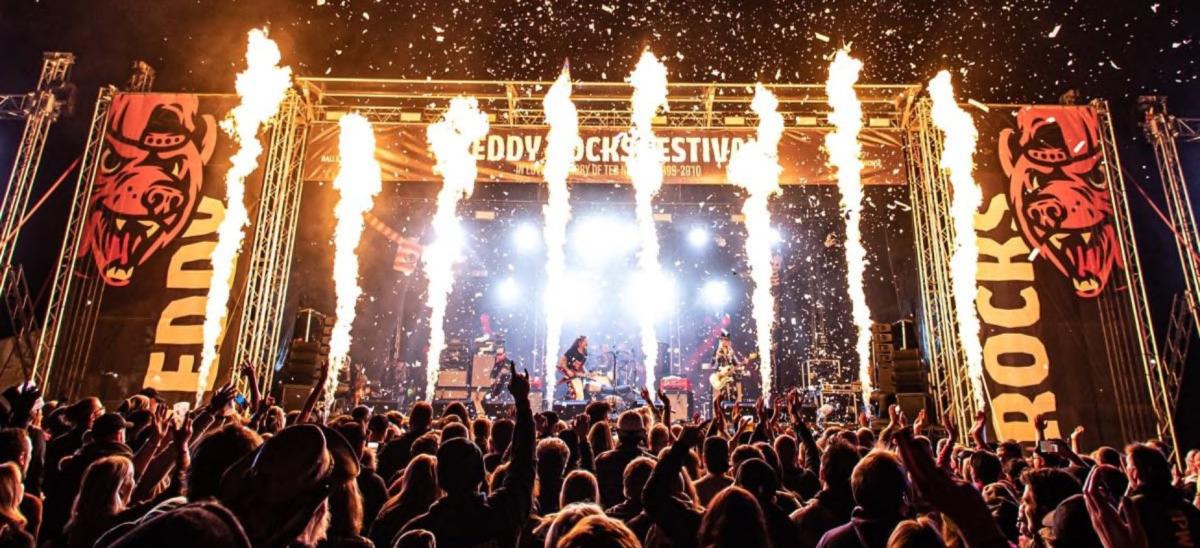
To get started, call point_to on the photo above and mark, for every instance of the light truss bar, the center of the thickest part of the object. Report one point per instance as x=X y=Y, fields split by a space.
x=16 y=107
x=1187 y=129
x=1158 y=379
x=601 y=104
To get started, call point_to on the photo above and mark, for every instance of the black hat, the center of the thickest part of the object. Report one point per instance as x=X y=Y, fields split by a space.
x=285 y=480
x=108 y=425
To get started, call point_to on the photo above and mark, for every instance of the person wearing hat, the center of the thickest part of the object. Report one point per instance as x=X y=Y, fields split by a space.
x=610 y=465
x=280 y=492
x=464 y=516
x=105 y=438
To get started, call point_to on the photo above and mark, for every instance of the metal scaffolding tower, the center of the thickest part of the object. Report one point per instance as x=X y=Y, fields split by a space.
x=266 y=287
x=929 y=189
x=40 y=109
x=1159 y=379
x=57 y=310
x=1162 y=130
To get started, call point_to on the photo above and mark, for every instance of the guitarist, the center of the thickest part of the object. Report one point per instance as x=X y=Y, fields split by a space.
x=502 y=372
x=570 y=365
x=728 y=375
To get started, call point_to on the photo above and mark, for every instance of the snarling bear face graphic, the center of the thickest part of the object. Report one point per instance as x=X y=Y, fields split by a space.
x=148 y=180
x=1059 y=192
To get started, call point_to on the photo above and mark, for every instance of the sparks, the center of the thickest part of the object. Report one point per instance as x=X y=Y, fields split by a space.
x=561 y=143
x=845 y=155
x=958 y=150
x=358 y=181
x=451 y=140
x=755 y=167
x=261 y=88
x=644 y=163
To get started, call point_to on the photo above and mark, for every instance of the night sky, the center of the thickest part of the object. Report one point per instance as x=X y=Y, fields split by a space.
x=1021 y=52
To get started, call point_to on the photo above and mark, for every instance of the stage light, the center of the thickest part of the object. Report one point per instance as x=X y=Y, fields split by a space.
x=659 y=292
x=698 y=237
x=598 y=239
x=527 y=237
x=715 y=293
x=508 y=290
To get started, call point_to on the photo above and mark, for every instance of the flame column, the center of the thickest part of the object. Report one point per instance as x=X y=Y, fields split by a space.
x=644 y=163
x=845 y=155
x=958 y=151
x=262 y=88
x=755 y=167
x=451 y=140
x=358 y=181
x=561 y=144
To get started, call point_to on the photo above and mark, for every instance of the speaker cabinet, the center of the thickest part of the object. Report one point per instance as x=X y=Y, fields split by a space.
x=681 y=405
x=452 y=378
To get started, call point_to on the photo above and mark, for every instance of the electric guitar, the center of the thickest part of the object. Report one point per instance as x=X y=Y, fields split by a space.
x=726 y=377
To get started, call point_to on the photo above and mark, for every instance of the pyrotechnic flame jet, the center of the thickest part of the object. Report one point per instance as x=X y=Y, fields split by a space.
x=755 y=167
x=644 y=163
x=561 y=144
x=958 y=151
x=358 y=180
x=845 y=155
x=261 y=88
x=451 y=140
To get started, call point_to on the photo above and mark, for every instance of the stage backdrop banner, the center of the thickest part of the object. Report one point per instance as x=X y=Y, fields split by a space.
x=150 y=230
x=513 y=154
x=1052 y=296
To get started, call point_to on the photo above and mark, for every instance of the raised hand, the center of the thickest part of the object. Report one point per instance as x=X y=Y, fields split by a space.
x=919 y=424
x=645 y=394
x=690 y=436
x=662 y=397
x=955 y=498
x=977 y=429
x=948 y=424
x=182 y=433
x=1114 y=530
x=222 y=397
x=580 y=426
x=519 y=385
x=894 y=415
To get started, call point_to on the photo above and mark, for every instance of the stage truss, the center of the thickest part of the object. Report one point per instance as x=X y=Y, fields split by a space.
x=260 y=322
x=929 y=188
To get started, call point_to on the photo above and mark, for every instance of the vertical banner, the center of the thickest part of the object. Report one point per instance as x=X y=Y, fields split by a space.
x=1053 y=298
x=149 y=232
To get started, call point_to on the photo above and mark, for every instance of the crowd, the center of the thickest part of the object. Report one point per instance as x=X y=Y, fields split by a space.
x=77 y=475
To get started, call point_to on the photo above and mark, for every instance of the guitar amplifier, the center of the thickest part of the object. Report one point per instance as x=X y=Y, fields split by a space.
x=453 y=393
x=481 y=369
x=681 y=404
x=678 y=384
x=456 y=378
